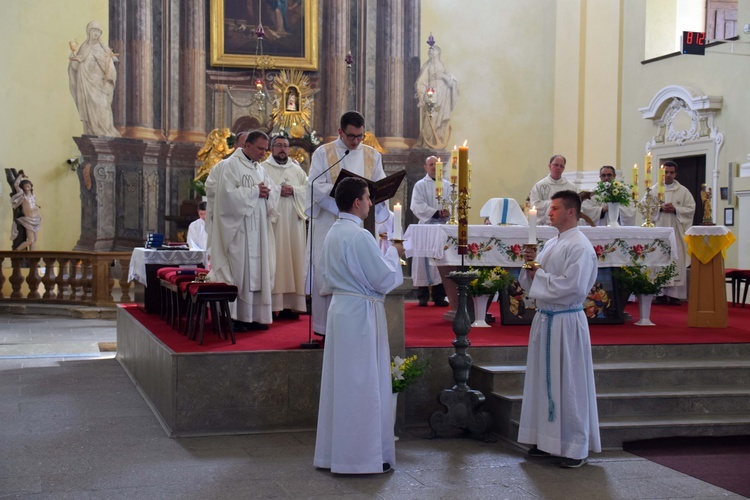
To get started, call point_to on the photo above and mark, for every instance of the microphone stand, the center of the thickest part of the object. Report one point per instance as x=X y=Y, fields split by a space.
x=310 y=344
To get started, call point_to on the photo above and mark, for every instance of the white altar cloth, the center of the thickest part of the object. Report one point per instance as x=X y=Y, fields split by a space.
x=502 y=245
x=504 y=211
x=176 y=258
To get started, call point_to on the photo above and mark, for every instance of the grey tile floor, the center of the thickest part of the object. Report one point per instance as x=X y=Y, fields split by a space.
x=74 y=426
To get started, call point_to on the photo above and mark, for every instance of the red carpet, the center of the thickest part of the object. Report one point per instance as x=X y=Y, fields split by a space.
x=426 y=328
x=721 y=461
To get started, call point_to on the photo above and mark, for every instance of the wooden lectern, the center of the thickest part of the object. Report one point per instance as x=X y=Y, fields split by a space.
x=707 y=298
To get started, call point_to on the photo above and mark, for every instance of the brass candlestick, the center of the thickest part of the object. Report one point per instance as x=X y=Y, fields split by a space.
x=529 y=264
x=648 y=207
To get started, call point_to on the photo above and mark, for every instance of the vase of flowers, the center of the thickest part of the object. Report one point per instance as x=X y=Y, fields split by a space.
x=644 y=282
x=404 y=371
x=615 y=194
x=488 y=282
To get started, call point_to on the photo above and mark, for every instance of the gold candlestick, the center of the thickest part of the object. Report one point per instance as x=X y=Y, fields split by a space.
x=529 y=264
x=450 y=204
x=648 y=207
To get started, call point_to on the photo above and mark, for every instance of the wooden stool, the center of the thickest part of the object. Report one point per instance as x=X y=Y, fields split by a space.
x=742 y=276
x=213 y=296
x=161 y=275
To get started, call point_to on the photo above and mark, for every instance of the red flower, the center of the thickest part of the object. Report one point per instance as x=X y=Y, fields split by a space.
x=473 y=248
x=516 y=249
x=638 y=250
x=599 y=250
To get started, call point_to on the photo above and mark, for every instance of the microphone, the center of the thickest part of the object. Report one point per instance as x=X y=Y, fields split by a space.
x=310 y=344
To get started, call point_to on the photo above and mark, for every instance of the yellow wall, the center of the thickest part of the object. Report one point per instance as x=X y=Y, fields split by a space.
x=39 y=117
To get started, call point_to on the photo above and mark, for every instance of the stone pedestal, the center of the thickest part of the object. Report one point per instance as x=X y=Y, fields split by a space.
x=127 y=187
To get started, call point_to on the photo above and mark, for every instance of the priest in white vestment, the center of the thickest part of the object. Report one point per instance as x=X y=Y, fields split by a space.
x=348 y=153
x=425 y=276
x=597 y=211
x=242 y=243
x=559 y=414
x=289 y=230
x=676 y=212
x=542 y=192
x=212 y=181
x=355 y=415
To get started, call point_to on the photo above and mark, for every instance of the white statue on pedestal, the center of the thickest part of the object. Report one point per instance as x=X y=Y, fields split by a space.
x=92 y=76
x=437 y=92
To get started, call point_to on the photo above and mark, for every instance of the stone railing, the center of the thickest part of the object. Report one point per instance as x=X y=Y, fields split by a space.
x=82 y=278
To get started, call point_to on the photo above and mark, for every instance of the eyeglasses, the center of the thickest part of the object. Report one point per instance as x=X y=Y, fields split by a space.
x=352 y=137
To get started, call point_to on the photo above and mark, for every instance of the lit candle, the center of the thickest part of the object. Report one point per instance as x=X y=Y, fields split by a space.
x=647 y=179
x=454 y=166
x=463 y=185
x=397 y=222
x=439 y=179
x=660 y=188
x=635 y=181
x=463 y=169
x=532 y=225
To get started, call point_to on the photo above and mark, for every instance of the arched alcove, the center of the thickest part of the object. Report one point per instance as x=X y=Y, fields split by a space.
x=684 y=121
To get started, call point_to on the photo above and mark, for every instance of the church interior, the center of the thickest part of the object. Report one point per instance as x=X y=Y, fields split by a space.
x=602 y=83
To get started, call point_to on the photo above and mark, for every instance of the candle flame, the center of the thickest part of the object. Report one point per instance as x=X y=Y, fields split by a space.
x=635 y=166
x=649 y=153
x=465 y=142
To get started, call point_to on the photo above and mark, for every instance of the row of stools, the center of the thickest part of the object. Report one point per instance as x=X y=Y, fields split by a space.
x=183 y=291
x=737 y=277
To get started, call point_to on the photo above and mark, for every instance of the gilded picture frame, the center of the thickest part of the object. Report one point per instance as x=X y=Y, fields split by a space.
x=291 y=34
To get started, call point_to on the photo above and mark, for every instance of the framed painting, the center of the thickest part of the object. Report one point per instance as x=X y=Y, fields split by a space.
x=290 y=27
x=604 y=303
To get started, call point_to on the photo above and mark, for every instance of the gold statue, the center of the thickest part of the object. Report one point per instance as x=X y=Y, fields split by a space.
x=706 y=199
x=213 y=151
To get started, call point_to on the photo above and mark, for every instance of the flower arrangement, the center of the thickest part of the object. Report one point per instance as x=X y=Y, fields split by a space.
x=641 y=280
x=404 y=371
x=489 y=281
x=613 y=192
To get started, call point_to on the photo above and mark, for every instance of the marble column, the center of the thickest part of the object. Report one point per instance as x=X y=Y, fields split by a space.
x=140 y=120
x=389 y=126
x=412 y=41
x=118 y=28
x=333 y=69
x=192 y=94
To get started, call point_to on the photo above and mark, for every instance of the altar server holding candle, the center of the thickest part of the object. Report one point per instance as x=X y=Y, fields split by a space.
x=425 y=207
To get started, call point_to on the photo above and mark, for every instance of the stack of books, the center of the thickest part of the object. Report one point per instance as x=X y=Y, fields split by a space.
x=154 y=240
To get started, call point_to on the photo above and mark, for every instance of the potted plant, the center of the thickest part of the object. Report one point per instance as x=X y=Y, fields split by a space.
x=614 y=194
x=644 y=282
x=488 y=282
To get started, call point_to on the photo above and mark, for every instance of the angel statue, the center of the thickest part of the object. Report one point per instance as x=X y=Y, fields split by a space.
x=706 y=199
x=213 y=151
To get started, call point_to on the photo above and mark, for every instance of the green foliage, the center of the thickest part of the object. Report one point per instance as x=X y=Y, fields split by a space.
x=404 y=371
x=489 y=281
x=641 y=280
x=199 y=186
x=613 y=192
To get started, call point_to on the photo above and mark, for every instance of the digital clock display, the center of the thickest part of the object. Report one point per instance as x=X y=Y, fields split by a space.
x=693 y=42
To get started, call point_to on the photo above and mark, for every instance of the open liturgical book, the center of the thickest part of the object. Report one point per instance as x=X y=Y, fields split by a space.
x=381 y=190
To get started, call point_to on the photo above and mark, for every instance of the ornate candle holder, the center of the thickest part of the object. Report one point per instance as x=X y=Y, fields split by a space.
x=396 y=240
x=648 y=207
x=450 y=204
x=530 y=263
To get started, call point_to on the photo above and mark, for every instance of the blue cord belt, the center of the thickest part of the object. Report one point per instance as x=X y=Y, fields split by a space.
x=549 y=315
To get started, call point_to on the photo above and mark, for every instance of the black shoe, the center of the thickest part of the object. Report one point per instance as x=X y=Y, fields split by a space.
x=661 y=300
x=386 y=467
x=422 y=304
x=287 y=314
x=673 y=302
x=321 y=335
x=536 y=452
x=572 y=463
x=256 y=326
x=239 y=326
x=443 y=303
x=489 y=318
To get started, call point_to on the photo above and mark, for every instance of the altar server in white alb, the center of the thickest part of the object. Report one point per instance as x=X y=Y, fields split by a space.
x=288 y=230
x=348 y=153
x=542 y=192
x=242 y=244
x=676 y=212
x=597 y=211
x=558 y=414
x=424 y=205
x=355 y=415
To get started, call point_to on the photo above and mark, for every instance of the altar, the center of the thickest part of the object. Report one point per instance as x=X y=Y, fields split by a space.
x=146 y=261
x=502 y=245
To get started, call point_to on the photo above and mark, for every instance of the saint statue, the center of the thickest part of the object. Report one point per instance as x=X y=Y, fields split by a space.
x=706 y=199
x=291 y=101
x=25 y=212
x=92 y=76
x=438 y=104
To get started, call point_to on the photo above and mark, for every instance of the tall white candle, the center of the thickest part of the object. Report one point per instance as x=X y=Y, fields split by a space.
x=397 y=222
x=532 y=225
